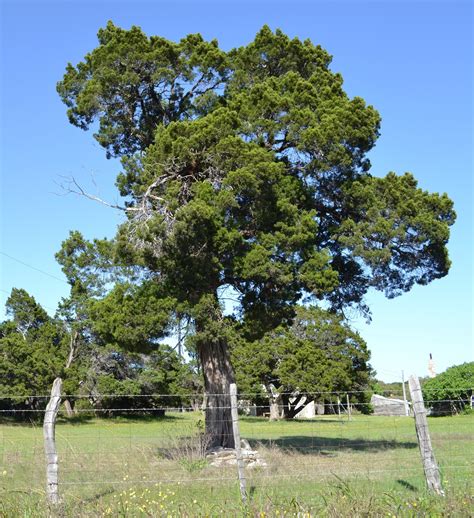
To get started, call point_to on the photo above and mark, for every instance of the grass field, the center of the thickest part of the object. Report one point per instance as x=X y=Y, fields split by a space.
x=369 y=466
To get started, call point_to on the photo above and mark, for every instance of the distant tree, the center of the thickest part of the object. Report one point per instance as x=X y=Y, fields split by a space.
x=25 y=312
x=451 y=390
x=117 y=361
x=248 y=170
x=382 y=388
x=316 y=355
x=33 y=349
x=117 y=382
x=122 y=323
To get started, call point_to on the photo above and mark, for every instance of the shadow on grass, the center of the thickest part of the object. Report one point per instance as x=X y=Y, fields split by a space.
x=88 y=417
x=407 y=485
x=325 y=445
x=312 y=421
x=116 y=419
x=98 y=495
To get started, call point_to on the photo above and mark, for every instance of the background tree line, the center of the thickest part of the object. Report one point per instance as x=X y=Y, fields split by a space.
x=120 y=362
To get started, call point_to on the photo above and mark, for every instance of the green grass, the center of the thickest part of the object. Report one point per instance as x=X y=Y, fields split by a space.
x=369 y=466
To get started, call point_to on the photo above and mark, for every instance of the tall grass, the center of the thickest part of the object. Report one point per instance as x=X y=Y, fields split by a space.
x=369 y=466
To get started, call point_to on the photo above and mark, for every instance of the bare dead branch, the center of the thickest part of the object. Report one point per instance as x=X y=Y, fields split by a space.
x=72 y=349
x=71 y=186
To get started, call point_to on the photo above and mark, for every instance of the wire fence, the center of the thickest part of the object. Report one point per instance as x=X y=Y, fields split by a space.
x=110 y=450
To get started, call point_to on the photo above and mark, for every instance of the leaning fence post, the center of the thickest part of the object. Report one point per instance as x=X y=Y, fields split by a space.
x=49 y=434
x=430 y=466
x=238 y=449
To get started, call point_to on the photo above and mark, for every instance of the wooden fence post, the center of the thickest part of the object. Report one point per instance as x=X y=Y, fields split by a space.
x=407 y=406
x=238 y=449
x=430 y=466
x=348 y=408
x=49 y=434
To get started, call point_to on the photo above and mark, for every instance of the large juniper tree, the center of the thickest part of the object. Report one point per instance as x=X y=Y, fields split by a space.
x=248 y=169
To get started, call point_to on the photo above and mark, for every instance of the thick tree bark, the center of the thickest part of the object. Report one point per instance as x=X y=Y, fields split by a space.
x=72 y=354
x=275 y=400
x=69 y=409
x=218 y=375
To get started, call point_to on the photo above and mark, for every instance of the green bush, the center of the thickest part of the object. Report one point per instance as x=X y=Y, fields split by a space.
x=450 y=392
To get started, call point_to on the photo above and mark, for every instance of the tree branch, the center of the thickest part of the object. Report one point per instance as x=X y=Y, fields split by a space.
x=72 y=187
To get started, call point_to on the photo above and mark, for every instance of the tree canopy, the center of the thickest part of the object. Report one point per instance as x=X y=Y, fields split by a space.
x=105 y=373
x=33 y=351
x=316 y=357
x=248 y=170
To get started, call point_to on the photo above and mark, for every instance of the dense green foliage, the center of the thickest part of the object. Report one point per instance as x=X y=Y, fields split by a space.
x=33 y=350
x=451 y=390
x=104 y=374
x=247 y=172
x=316 y=357
x=248 y=169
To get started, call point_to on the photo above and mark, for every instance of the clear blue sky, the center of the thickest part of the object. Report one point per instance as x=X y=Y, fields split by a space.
x=411 y=60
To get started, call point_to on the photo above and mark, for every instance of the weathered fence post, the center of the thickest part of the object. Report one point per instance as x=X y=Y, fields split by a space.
x=348 y=408
x=407 y=406
x=49 y=433
x=238 y=449
x=430 y=466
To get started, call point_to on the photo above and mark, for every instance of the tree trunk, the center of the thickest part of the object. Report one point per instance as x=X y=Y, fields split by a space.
x=68 y=407
x=218 y=375
x=275 y=401
x=275 y=413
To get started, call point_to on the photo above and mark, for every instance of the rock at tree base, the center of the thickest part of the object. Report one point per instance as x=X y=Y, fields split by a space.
x=220 y=457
